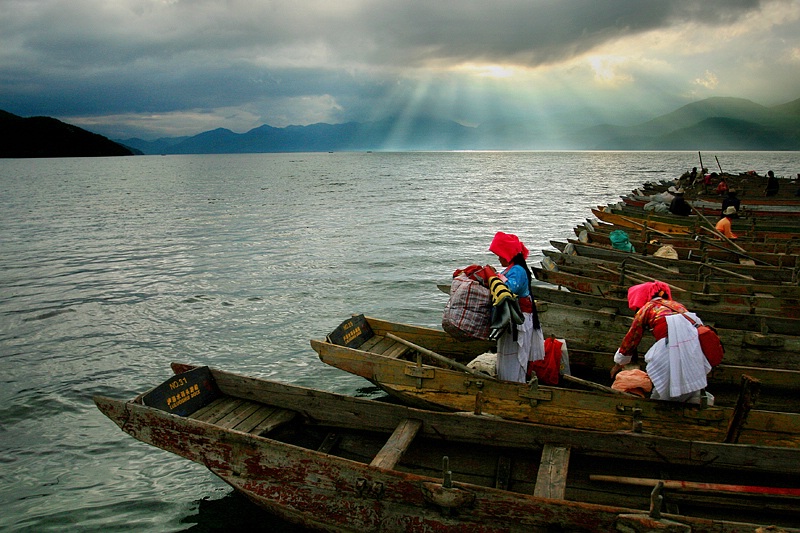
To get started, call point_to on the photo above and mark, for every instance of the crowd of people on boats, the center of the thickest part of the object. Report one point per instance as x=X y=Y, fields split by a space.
x=674 y=368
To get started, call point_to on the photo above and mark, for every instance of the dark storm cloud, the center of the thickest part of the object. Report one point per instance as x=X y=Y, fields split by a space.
x=93 y=57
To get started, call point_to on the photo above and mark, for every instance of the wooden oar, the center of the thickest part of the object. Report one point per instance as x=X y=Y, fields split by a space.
x=728 y=272
x=696 y=486
x=641 y=278
x=595 y=386
x=441 y=358
x=713 y=230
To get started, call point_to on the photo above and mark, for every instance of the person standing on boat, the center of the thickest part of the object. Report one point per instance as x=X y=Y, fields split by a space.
x=772 y=184
x=525 y=342
x=675 y=363
x=723 y=226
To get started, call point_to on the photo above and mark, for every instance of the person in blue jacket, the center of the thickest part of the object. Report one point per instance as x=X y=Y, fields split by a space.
x=519 y=344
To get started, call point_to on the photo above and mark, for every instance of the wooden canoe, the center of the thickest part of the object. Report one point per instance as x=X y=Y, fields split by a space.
x=782 y=209
x=600 y=232
x=706 y=249
x=685 y=225
x=710 y=255
x=375 y=355
x=603 y=284
x=768 y=226
x=603 y=329
x=773 y=280
x=603 y=281
x=745 y=272
x=619 y=306
x=342 y=464
x=637 y=226
x=593 y=327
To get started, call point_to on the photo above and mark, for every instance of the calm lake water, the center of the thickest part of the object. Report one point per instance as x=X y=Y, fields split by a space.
x=112 y=268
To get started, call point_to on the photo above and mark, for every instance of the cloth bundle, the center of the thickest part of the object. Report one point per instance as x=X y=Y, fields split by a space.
x=506 y=312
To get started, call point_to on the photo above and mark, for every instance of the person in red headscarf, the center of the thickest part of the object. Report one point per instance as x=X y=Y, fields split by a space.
x=525 y=342
x=675 y=363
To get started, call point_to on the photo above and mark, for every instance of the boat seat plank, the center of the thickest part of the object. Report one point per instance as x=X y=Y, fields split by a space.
x=259 y=415
x=551 y=481
x=277 y=418
x=239 y=414
x=397 y=351
x=385 y=345
x=216 y=409
x=370 y=343
x=398 y=443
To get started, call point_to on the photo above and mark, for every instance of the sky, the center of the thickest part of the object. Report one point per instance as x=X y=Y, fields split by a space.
x=164 y=68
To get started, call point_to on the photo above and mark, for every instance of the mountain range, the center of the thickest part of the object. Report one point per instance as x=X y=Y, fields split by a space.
x=720 y=123
x=713 y=124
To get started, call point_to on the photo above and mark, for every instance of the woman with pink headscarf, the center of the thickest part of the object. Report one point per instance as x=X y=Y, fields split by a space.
x=675 y=363
x=525 y=342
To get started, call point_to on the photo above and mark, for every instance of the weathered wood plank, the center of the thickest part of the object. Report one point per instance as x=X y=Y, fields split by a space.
x=238 y=415
x=551 y=481
x=219 y=408
x=397 y=444
x=278 y=418
x=261 y=414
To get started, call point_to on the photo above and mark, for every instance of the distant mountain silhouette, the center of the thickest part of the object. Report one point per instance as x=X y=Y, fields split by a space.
x=711 y=124
x=48 y=137
x=714 y=123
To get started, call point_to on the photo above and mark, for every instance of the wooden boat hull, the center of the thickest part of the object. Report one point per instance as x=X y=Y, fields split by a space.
x=602 y=331
x=783 y=209
x=704 y=251
x=690 y=225
x=762 y=273
x=698 y=301
x=619 y=306
x=433 y=387
x=363 y=465
x=600 y=232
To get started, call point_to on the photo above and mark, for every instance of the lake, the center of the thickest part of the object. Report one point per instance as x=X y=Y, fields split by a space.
x=111 y=268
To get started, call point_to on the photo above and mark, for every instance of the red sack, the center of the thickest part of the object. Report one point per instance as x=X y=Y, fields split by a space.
x=711 y=345
x=547 y=369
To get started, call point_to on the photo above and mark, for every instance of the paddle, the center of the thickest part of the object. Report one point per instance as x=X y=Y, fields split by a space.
x=713 y=229
x=698 y=486
x=641 y=278
x=441 y=358
x=593 y=385
x=720 y=166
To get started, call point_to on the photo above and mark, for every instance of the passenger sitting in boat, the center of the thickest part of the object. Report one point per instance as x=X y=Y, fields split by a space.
x=677 y=368
x=679 y=205
x=517 y=346
x=731 y=199
x=722 y=186
x=723 y=226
